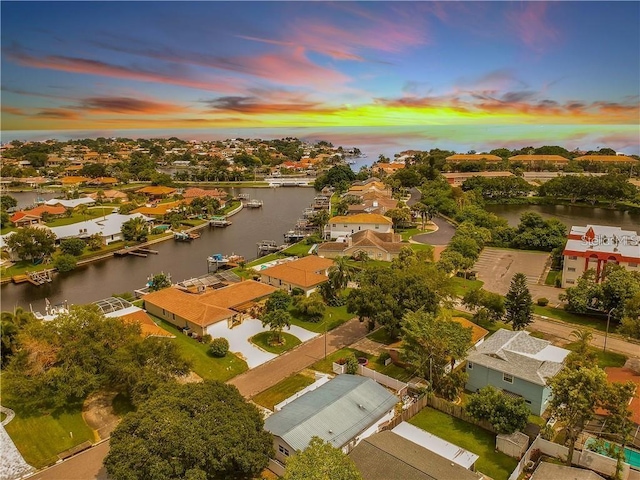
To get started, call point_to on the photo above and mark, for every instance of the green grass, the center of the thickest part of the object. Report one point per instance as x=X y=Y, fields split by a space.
x=76 y=217
x=605 y=359
x=2 y=416
x=283 y=390
x=7 y=229
x=23 y=266
x=333 y=317
x=471 y=437
x=205 y=365
x=491 y=327
x=299 y=249
x=40 y=438
x=461 y=285
x=536 y=420
x=263 y=340
x=325 y=365
x=568 y=317
x=382 y=336
x=420 y=247
x=551 y=277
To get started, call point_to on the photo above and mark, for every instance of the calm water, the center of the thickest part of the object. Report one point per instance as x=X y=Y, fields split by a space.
x=282 y=207
x=569 y=215
x=28 y=199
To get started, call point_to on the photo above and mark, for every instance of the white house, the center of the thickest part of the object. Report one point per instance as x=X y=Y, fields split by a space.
x=73 y=203
x=343 y=226
x=109 y=227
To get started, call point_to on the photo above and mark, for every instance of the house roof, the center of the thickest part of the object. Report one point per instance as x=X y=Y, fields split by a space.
x=476 y=157
x=200 y=192
x=110 y=194
x=362 y=218
x=105 y=226
x=104 y=180
x=606 y=158
x=74 y=180
x=477 y=332
x=302 y=272
x=622 y=375
x=336 y=412
x=38 y=211
x=237 y=294
x=387 y=455
x=148 y=328
x=71 y=203
x=159 y=209
x=539 y=158
x=521 y=355
x=188 y=306
x=156 y=190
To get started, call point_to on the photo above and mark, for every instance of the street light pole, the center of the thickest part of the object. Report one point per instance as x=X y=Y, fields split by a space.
x=606 y=333
x=325 y=338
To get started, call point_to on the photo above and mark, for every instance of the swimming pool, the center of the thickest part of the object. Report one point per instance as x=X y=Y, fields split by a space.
x=632 y=456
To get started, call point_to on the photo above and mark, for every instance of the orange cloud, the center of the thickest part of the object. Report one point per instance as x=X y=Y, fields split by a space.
x=57 y=114
x=127 y=105
x=13 y=110
x=96 y=67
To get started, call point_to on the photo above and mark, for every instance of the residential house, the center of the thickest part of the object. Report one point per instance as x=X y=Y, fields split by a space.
x=108 y=227
x=342 y=226
x=212 y=312
x=74 y=180
x=377 y=246
x=475 y=157
x=160 y=209
x=624 y=375
x=156 y=191
x=102 y=181
x=127 y=312
x=34 y=215
x=306 y=273
x=551 y=471
x=111 y=195
x=70 y=203
x=518 y=364
x=606 y=159
x=200 y=192
x=458 y=178
x=342 y=412
x=388 y=168
x=594 y=247
x=387 y=455
x=533 y=160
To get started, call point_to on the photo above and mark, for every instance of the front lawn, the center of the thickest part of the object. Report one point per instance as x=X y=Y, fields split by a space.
x=605 y=359
x=40 y=438
x=263 y=340
x=299 y=249
x=283 y=390
x=326 y=365
x=333 y=317
x=76 y=217
x=581 y=320
x=461 y=285
x=552 y=276
x=470 y=437
x=202 y=363
x=24 y=266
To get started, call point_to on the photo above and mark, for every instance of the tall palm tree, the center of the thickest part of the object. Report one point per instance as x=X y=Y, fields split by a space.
x=583 y=338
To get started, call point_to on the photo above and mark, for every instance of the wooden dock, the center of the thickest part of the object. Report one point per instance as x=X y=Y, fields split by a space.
x=35 y=278
x=137 y=251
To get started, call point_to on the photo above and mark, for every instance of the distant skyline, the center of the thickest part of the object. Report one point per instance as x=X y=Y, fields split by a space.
x=107 y=66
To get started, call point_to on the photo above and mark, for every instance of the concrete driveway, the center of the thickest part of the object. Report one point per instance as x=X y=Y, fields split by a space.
x=442 y=236
x=239 y=339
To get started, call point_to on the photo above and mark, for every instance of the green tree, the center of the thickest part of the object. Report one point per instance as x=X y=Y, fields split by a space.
x=518 y=303
x=277 y=320
x=197 y=430
x=576 y=395
x=430 y=343
x=505 y=413
x=159 y=281
x=616 y=400
x=10 y=325
x=135 y=229
x=321 y=461
x=94 y=242
x=7 y=202
x=219 y=347
x=485 y=305
x=31 y=243
x=630 y=324
x=64 y=262
x=72 y=246
x=278 y=300
x=312 y=307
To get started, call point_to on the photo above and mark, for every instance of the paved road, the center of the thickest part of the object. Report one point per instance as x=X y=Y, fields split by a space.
x=442 y=236
x=260 y=378
x=83 y=466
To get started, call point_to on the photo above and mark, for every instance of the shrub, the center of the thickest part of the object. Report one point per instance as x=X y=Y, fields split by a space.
x=207 y=339
x=384 y=356
x=219 y=347
x=65 y=262
x=72 y=246
x=351 y=365
x=558 y=282
x=543 y=302
x=297 y=291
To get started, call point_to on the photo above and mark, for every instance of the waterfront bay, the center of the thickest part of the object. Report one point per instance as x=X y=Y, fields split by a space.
x=282 y=207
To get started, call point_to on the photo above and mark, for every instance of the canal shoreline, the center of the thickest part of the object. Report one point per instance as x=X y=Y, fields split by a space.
x=164 y=238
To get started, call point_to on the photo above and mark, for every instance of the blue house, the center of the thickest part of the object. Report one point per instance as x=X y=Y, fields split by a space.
x=518 y=364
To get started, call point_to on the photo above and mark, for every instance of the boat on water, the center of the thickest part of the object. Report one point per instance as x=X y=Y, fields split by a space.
x=220 y=259
x=185 y=237
x=51 y=312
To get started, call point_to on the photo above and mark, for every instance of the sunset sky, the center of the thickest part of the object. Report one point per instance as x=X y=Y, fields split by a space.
x=184 y=65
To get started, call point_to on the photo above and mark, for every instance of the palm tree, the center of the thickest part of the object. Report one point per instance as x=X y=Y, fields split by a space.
x=340 y=273
x=82 y=210
x=10 y=325
x=276 y=321
x=583 y=338
x=361 y=256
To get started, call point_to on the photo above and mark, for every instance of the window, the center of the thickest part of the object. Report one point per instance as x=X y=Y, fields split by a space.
x=633 y=265
x=570 y=282
x=470 y=366
x=571 y=269
x=507 y=378
x=573 y=257
x=163 y=312
x=283 y=450
x=528 y=402
x=377 y=227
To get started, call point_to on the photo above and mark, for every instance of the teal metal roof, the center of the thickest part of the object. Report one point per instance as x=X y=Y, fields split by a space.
x=336 y=412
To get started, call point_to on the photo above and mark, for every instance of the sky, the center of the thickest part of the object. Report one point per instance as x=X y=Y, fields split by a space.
x=222 y=65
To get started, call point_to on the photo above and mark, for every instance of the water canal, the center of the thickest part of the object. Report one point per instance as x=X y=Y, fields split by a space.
x=282 y=207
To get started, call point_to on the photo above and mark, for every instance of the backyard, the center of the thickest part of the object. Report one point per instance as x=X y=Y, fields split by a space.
x=391 y=370
x=470 y=437
x=283 y=390
x=205 y=365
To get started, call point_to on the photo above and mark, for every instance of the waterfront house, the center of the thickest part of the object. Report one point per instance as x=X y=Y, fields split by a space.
x=387 y=455
x=540 y=160
x=606 y=159
x=473 y=157
x=378 y=246
x=306 y=273
x=342 y=226
x=212 y=312
x=594 y=247
x=108 y=227
x=34 y=215
x=74 y=180
x=70 y=203
x=112 y=195
x=517 y=364
x=342 y=412
x=156 y=191
x=458 y=178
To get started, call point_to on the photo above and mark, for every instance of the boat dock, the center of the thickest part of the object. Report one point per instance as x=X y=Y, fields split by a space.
x=35 y=278
x=293 y=236
x=185 y=237
x=219 y=222
x=137 y=251
x=254 y=203
x=268 y=246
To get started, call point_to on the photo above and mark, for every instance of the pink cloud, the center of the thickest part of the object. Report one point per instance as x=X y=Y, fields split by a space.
x=528 y=21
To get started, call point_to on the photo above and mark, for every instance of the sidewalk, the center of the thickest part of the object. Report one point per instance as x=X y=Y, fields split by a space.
x=268 y=374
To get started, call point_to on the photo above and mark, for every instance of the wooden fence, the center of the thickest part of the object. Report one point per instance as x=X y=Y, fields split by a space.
x=458 y=412
x=406 y=414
